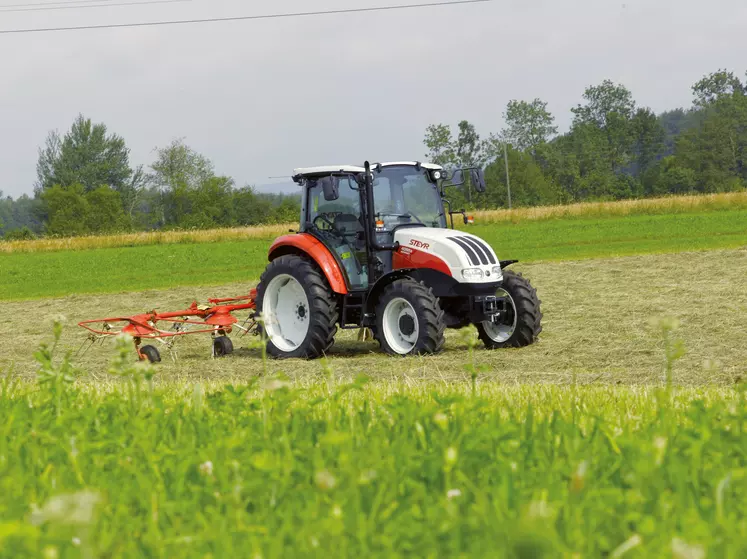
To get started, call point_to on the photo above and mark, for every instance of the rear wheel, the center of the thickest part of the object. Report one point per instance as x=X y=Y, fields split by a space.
x=298 y=309
x=522 y=324
x=409 y=319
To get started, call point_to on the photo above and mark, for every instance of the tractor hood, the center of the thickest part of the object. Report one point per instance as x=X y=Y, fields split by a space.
x=466 y=258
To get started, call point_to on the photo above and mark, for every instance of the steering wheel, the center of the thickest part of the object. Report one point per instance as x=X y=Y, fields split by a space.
x=326 y=220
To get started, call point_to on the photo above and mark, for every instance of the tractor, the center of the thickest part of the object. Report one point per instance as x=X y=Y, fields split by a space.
x=375 y=252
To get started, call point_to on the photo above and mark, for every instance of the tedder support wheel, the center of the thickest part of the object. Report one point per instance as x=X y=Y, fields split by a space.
x=151 y=353
x=409 y=319
x=298 y=309
x=222 y=346
x=523 y=323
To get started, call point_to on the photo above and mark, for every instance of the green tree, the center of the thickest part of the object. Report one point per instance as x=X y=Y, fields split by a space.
x=469 y=150
x=528 y=124
x=716 y=87
x=87 y=155
x=105 y=212
x=648 y=140
x=249 y=208
x=605 y=123
x=529 y=185
x=68 y=210
x=440 y=144
x=717 y=149
x=193 y=196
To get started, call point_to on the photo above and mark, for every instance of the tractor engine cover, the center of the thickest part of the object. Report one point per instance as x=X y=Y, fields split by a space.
x=464 y=257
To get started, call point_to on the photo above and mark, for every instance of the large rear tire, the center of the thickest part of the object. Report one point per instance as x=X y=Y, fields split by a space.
x=409 y=319
x=523 y=323
x=298 y=309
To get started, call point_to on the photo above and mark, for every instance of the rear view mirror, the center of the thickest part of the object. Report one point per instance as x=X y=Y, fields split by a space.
x=331 y=188
x=478 y=180
x=457 y=179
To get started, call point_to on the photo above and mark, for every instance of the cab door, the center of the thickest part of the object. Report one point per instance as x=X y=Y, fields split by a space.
x=339 y=226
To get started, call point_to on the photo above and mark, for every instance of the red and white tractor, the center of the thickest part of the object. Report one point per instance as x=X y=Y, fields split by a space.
x=374 y=251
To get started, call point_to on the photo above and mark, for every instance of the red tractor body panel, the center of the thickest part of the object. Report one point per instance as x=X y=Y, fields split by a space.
x=406 y=258
x=303 y=243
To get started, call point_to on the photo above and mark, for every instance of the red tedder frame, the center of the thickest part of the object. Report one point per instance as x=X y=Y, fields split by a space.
x=215 y=318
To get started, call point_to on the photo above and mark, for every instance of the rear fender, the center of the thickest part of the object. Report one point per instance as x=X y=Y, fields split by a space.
x=307 y=245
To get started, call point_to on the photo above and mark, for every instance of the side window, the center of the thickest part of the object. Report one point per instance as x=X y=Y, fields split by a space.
x=347 y=204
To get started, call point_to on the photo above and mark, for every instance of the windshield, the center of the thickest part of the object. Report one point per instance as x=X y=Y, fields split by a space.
x=404 y=195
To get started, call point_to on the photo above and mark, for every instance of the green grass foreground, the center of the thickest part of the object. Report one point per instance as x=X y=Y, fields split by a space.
x=51 y=274
x=360 y=470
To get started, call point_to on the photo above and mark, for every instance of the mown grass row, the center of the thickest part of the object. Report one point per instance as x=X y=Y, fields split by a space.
x=267 y=469
x=656 y=206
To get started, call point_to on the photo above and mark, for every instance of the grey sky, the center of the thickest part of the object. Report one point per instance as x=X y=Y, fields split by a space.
x=260 y=98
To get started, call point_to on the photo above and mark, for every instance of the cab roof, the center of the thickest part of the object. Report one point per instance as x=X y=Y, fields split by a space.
x=329 y=169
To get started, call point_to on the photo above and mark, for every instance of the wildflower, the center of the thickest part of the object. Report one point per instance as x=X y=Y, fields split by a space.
x=660 y=448
x=451 y=456
x=683 y=550
x=453 y=494
x=442 y=420
x=71 y=509
x=325 y=480
x=539 y=509
x=367 y=477
x=206 y=468
x=276 y=384
x=578 y=480
x=337 y=512
x=76 y=542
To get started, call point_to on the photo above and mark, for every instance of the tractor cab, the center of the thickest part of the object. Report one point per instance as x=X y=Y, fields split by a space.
x=358 y=220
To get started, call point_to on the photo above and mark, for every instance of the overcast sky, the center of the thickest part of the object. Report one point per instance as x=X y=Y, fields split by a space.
x=260 y=98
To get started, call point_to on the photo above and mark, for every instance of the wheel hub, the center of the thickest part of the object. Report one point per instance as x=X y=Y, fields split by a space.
x=407 y=325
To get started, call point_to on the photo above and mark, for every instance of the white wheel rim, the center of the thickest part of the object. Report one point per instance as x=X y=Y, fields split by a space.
x=397 y=314
x=285 y=310
x=501 y=333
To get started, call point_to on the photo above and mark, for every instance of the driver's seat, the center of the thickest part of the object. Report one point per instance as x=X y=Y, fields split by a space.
x=348 y=224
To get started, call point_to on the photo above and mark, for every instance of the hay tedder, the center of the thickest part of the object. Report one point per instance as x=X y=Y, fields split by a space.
x=216 y=318
x=376 y=250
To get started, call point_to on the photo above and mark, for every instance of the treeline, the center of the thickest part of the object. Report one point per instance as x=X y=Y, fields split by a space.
x=614 y=149
x=86 y=185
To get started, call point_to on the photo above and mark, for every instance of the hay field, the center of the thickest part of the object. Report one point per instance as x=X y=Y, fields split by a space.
x=598 y=329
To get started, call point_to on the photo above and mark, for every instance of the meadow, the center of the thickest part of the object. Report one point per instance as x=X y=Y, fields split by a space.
x=33 y=275
x=622 y=433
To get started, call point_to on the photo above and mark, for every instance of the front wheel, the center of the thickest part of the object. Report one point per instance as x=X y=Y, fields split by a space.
x=409 y=319
x=522 y=323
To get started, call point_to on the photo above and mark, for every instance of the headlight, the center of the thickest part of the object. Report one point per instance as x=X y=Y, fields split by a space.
x=497 y=271
x=473 y=274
